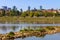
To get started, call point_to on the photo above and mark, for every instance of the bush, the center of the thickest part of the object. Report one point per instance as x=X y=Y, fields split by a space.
x=50 y=28
x=11 y=34
x=24 y=30
x=41 y=30
x=27 y=30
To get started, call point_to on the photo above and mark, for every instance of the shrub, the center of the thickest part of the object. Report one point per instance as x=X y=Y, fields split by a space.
x=50 y=28
x=21 y=30
x=30 y=30
x=41 y=30
x=26 y=30
x=11 y=34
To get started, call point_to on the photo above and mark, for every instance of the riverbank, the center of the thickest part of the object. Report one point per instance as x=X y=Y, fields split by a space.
x=30 y=32
x=42 y=20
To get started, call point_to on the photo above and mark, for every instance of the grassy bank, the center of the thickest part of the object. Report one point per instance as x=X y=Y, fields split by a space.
x=17 y=19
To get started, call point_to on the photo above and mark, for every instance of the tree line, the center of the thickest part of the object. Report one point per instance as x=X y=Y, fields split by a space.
x=28 y=13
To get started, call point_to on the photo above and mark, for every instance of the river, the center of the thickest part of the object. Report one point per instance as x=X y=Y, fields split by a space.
x=6 y=28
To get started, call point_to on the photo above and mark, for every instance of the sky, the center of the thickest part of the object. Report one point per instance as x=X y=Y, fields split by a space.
x=47 y=4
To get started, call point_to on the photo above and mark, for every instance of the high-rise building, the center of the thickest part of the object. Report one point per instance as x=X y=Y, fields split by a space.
x=41 y=8
x=21 y=10
x=9 y=8
x=35 y=9
x=14 y=8
x=29 y=8
x=4 y=7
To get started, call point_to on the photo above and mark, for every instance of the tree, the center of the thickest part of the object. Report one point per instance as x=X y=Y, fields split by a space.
x=24 y=14
x=41 y=14
x=12 y=13
x=31 y=14
x=36 y=14
x=18 y=13
x=3 y=12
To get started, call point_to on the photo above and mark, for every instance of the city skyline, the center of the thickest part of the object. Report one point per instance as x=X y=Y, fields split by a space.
x=47 y=4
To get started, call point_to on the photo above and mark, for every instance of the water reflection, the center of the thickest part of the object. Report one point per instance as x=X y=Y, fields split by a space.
x=6 y=28
x=3 y=28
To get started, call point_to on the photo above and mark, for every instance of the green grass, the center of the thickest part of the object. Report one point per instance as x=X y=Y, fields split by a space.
x=30 y=19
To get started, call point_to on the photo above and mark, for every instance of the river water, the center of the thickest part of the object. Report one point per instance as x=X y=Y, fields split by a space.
x=6 y=28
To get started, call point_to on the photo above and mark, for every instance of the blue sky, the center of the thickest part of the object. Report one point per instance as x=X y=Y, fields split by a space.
x=47 y=4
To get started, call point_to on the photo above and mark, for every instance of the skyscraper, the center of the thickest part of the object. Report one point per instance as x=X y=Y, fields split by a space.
x=4 y=7
x=41 y=8
x=14 y=8
x=29 y=9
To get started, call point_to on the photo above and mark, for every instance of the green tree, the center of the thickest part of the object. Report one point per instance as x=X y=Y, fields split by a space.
x=36 y=14
x=31 y=14
x=24 y=14
x=3 y=12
